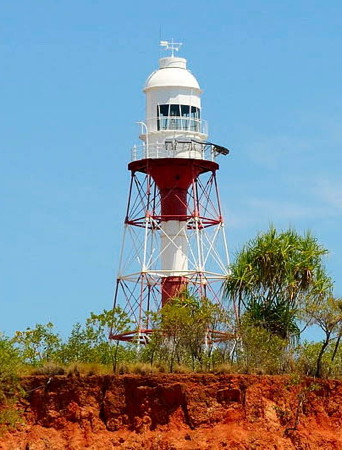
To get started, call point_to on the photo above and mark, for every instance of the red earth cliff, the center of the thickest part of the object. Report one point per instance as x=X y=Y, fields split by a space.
x=164 y=412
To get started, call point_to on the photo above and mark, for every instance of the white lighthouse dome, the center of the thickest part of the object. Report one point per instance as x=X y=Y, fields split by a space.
x=172 y=73
x=173 y=111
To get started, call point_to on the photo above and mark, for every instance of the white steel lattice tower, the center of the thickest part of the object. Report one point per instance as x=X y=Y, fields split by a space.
x=174 y=236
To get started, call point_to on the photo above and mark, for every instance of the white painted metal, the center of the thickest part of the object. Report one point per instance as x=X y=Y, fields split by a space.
x=205 y=251
x=158 y=249
x=173 y=149
x=174 y=247
x=172 y=84
x=173 y=46
x=172 y=72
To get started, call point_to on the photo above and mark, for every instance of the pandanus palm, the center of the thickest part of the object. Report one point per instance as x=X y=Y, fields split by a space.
x=273 y=276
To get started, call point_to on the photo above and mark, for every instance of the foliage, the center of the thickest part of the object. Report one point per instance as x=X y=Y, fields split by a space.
x=90 y=343
x=140 y=368
x=9 y=418
x=49 y=368
x=88 y=369
x=10 y=365
x=328 y=316
x=262 y=352
x=273 y=276
x=185 y=327
x=277 y=283
x=10 y=389
x=306 y=360
x=38 y=345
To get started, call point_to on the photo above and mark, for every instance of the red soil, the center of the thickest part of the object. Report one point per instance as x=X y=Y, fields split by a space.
x=170 y=412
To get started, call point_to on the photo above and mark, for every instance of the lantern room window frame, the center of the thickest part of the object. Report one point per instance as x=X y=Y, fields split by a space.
x=175 y=116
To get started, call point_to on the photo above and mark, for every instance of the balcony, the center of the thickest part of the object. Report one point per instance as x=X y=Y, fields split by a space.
x=177 y=123
x=174 y=148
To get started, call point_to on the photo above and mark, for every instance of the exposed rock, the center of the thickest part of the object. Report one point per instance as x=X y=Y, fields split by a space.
x=171 y=412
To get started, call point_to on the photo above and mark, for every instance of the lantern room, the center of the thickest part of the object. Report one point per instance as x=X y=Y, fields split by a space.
x=173 y=105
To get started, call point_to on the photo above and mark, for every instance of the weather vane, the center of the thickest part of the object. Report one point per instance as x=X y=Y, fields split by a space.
x=173 y=46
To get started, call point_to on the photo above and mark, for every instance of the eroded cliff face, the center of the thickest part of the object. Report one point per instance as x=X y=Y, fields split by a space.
x=164 y=412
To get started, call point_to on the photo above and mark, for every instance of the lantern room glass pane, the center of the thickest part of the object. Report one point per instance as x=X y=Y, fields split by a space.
x=162 y=114
x=185 y=110
x=174 y=110
x=178 y=117
x=195 y=112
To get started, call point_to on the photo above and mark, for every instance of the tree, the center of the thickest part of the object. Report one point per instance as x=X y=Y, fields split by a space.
x=306 y=355
x=10 y=364
x=90 y=343
x=185 y=328
x=262 y=351
x=10 y=386
x=273 y=276
x=39 y=344
x=328 y=316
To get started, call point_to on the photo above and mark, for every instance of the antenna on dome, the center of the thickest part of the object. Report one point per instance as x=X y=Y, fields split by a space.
x=173 y=46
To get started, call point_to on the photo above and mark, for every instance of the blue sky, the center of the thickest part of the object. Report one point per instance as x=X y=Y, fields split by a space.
x=70 y=88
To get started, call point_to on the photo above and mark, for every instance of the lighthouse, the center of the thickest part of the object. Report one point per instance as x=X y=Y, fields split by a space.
x=174 y=239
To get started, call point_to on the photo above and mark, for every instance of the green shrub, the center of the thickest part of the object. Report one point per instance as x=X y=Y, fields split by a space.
x=39 y=344
x=306 y=360
x=262 y=352
x=10 y=417
x=10 y=388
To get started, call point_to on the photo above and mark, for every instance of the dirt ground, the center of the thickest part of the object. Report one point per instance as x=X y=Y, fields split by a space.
x=171 y=412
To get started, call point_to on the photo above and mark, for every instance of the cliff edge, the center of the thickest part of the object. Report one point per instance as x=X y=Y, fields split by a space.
x=172 y=411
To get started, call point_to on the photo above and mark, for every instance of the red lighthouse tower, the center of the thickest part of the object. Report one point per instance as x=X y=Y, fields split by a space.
x=174 y=236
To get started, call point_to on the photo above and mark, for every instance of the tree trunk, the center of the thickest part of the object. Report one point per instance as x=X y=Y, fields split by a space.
x=115 y=357
x=336 y=348
x=318 y=373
